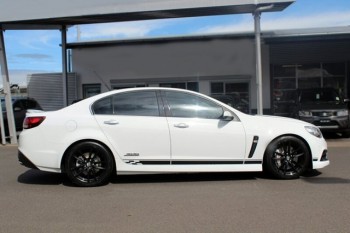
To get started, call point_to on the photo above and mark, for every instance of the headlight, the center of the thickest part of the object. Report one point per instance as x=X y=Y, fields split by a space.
x=305 y=113
x=314 y=131
x=343 y=113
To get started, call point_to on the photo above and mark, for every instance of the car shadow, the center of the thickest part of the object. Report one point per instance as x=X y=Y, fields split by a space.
x=185 y=177
x=36 y=177
x=313 y=176
x=327 y=180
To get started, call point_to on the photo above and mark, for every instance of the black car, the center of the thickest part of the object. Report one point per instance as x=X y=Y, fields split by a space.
x=325 y=108
x=20 y=106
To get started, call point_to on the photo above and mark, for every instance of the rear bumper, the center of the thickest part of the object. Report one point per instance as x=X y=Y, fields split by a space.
x=23 y=160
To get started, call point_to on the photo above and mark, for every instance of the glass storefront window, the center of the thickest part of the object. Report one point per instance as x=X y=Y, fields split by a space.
x=311 y=82
x=234 y=94
x=284 y=83
x=192 y=86
x=217 y=88
x=288 y=78
x=91 y=90
x=284 y=71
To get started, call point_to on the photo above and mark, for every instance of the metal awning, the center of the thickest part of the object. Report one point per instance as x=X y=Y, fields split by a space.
x=24 y=14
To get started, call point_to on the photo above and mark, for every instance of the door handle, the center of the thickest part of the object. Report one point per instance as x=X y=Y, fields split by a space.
x=111 y=122
x=181 y=125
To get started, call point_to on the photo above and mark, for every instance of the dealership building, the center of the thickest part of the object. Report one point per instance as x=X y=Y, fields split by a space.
x=221 y=65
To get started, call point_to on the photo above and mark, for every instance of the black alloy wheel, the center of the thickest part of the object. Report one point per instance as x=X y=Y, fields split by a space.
x=287 y=157
x=89 y=164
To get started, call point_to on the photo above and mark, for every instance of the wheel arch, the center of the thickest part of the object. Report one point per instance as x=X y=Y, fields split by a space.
x=292 y=135
x=63 y=169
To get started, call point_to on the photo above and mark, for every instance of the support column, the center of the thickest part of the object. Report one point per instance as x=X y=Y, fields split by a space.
x=64 y=65
x=257 y=15
x=7 y=91
x=2 y=126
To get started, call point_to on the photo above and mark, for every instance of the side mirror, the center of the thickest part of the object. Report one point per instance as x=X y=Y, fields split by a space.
x=227 y=116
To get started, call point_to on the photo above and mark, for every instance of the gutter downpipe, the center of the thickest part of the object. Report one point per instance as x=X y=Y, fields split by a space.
x=257 y=29
x=7 y=93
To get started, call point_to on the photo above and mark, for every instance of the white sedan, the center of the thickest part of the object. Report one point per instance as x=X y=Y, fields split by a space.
x=164 y=130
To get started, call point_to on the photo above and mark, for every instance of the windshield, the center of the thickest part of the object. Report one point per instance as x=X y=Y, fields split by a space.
x=319 y=95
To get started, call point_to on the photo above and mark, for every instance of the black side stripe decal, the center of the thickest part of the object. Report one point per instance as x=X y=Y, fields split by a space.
x=254 y=144
x=204 y=162
x=185 y=162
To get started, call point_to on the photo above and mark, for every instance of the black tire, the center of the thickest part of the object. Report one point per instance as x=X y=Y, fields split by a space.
x=287 y=157
x=89 y=164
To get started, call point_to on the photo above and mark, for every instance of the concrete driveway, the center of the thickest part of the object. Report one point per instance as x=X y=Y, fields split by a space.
x=35 y=201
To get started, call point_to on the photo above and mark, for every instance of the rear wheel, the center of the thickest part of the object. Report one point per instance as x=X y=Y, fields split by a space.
x=287 y=157
x=89 y=164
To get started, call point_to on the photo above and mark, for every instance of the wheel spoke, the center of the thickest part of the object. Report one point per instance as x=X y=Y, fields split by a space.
x=91 y=152
x=289 y=147
x=298 y=155
x=279 y=153
x=293 y=166
x=282 y=168
x=78 y=171
x=79 y=159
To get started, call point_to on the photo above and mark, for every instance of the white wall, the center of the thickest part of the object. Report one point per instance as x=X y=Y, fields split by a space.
x=213 y=59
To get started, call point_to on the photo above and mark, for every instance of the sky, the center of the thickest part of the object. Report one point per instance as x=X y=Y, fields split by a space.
x=39 y=51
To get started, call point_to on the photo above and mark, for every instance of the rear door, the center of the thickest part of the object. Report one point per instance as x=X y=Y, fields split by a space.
x=134 y=123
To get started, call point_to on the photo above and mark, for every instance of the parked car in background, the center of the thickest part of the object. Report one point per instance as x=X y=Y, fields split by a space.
x=20 y=106
x=165 y=130
x=325 y=108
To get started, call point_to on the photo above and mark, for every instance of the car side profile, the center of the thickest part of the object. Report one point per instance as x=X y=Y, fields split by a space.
x=165 y=130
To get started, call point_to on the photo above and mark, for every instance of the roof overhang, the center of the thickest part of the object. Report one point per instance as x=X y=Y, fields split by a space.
x=50 y=14
x=303 y=35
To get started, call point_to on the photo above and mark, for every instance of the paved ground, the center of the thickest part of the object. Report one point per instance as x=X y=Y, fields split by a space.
x=34 y=201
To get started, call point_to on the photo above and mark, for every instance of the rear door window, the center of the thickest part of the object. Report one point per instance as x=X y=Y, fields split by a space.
x=138 y=103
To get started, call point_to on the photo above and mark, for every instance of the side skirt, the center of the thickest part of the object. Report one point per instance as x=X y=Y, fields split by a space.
x=196 y=166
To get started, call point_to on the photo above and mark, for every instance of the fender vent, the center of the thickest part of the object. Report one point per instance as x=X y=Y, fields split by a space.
x=254 y=144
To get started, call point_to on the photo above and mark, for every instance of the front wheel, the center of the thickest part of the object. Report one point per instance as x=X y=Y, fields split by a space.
x=287 y=157
x=89 y=164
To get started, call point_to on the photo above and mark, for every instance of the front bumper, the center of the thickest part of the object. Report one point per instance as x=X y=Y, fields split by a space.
x=321 y=162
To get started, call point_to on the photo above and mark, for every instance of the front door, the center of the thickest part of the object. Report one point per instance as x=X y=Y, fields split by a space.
x=198 y=132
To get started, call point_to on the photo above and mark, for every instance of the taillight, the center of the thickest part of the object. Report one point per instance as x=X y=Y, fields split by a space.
x=31 y=122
